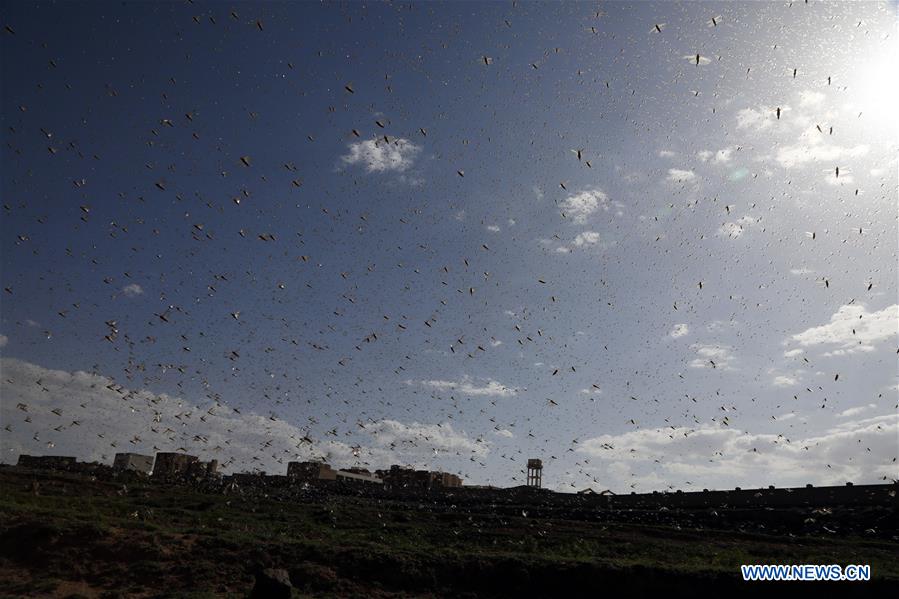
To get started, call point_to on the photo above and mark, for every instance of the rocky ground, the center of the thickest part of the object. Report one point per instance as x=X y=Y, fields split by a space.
x=66 y=535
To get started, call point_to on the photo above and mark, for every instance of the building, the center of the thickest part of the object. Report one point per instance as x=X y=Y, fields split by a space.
x=309 y=471
x=406 y=478
x=358 y=476
x=535 y=473
x=200 y=469
x=448 y=480
x=46 y=462
x=134 y=462
x=319 y=471
x=423 y=480
x=173 y=465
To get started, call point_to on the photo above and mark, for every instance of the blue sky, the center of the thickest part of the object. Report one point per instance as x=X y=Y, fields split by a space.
x=455 y=236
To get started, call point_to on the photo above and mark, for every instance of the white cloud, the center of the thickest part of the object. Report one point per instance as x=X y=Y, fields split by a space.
x=710 y=456
x=586 y=238
x=415 y=437
x=735 y=230
x=98 y=418
x=132 y=290
x=3 y=340
x=722 y=156
x=581 y=205
x=377 y=155
x=468 y=387
x=851 y=329
x=812 y=149
x=803 y=136
x=784 y=381
x=677 y=175
x=666 y=153
x=750 y=118
x=134 y=420
x=679 y=330
x=713 y=356
x=503 y=432
x=848 y=413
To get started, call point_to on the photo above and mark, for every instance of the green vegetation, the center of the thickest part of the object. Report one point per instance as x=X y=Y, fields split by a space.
x=76 y=537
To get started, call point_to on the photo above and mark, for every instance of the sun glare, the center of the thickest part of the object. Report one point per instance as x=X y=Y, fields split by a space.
x=874 y=88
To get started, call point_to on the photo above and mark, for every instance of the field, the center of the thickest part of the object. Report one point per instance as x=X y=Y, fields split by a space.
x=65 y=535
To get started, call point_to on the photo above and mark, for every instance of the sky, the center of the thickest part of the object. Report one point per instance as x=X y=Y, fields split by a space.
x=653 y=244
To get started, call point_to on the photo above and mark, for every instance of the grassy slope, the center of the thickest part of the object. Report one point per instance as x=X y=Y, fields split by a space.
x=91 y=538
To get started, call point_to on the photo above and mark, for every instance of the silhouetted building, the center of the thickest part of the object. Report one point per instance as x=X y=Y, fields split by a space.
x=448 y=480
x=535 y=473
x=133 y=461
x=309 y=471
x=46 y=462
x=203 y=469
x=319 y=471
x=173 y=465
x=358 y=475
x=422 y=480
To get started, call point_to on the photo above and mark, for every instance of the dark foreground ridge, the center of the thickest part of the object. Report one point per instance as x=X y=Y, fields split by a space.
x=117 y=533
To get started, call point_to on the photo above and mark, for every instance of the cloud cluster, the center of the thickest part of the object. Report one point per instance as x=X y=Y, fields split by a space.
x=711 y=456
x=852 y=329
x=379 y=156
x=678 y=175
x=713 y=356
x=785 y=381
x=468 y=387
x=586 y=238
x=736 y=229
x=812 y=148
x=722 y=156
x=415 y=437
x=758 y=119
x=803 y=137
x=132 y=290
x=93 y=417
x=580 y=206
x=679 y=330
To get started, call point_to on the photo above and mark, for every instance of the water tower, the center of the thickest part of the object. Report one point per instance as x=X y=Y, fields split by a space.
x=535 y=473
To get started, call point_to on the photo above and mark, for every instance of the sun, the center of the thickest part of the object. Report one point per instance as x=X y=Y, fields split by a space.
x=874 y=85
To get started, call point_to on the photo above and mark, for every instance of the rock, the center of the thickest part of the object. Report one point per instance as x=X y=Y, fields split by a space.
x=272 y=583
